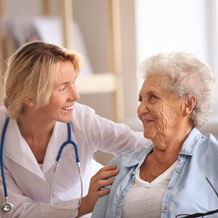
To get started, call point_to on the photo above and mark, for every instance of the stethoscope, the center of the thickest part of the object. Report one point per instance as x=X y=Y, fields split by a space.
x=7 y=206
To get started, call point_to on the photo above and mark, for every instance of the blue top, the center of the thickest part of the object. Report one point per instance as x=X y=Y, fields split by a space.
x=193 y=186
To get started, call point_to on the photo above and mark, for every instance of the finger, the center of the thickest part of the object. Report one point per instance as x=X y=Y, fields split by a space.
x=102 y=184
x=103 y=174
x=103 y=192
x=104 y=189
x=105 y=182
x=107 y=168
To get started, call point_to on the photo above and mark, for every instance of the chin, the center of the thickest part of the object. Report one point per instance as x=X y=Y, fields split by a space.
x=148 y=135
x=65 y=119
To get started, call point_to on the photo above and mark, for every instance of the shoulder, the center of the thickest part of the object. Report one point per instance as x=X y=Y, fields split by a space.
x=82 y=109
x=208 y=140
x=198 y=142
x=131 y=157
x=82 y=114
x=206 y=150
x=3 y=111
x=211 y=141
x=3 y=115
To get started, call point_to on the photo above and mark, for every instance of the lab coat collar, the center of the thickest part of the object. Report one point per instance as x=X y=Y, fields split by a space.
x=17 y=149
x=59 y=135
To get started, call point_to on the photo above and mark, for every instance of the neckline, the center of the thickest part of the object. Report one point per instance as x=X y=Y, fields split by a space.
x=158 y=179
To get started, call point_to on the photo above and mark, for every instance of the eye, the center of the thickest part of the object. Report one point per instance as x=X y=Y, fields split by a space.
x=153 y=99
x=61 y=87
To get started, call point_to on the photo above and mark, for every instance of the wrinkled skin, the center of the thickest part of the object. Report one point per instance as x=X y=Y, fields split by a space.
x=165 y=117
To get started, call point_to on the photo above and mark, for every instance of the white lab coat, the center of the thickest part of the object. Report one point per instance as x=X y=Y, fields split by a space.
x=29 y=184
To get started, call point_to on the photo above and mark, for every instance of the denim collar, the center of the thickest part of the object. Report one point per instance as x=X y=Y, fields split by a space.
x=137 y=155
x=190 y=142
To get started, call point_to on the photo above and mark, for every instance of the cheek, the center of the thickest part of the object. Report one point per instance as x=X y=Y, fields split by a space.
x=56 y=100
x=169 y=116
x=164 y=116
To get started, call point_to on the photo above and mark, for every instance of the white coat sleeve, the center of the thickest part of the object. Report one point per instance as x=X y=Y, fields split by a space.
x=24 y=207
x=108 y=136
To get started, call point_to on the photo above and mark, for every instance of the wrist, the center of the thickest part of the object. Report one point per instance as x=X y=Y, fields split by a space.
x=85 y=207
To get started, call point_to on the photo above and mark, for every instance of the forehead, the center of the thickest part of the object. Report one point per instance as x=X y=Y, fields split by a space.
x=154 y=83
x=66 y=71
x=65 y=66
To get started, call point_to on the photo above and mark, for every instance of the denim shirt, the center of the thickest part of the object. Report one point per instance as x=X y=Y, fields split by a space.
x=193 y=186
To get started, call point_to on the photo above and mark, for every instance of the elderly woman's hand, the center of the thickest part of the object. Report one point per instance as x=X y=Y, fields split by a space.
x=102 y=178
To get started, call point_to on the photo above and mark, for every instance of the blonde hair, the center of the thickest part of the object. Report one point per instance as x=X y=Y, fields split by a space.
x=186 y=76
x=32 y=74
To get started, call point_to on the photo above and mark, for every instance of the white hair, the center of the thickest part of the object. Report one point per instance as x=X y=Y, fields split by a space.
x=186 y=76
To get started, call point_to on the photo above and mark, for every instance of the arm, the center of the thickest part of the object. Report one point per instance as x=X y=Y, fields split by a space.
x=102 y=204
x=106 y=135
x=103 y=177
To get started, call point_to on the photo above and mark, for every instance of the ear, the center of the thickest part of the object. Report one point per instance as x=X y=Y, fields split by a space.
x=29 y=102
x=190 y=103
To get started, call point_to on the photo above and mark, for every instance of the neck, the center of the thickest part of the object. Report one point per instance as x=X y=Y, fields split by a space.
x=165 y=153
x=36 y=131
x=34 y=126
x=167 y=148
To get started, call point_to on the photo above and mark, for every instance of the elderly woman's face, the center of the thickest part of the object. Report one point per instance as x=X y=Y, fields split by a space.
x=159 y=110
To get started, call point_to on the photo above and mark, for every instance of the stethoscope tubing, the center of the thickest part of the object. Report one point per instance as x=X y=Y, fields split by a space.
x=1 y=157
x=67 y=142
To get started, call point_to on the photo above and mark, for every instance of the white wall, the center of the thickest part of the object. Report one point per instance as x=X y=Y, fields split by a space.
x=21 y=7
x=170 y=25
x=177 y=25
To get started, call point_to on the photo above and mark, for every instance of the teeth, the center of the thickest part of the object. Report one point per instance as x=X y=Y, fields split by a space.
x=68 y=108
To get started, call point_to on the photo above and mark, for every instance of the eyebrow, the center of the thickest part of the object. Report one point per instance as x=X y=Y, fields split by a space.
x=151 y=92
x=65 y=83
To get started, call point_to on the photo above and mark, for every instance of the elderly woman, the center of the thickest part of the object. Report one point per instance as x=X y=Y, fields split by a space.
x=176 y=176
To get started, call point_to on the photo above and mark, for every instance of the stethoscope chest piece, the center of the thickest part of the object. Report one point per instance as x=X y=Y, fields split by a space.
x=6 y=207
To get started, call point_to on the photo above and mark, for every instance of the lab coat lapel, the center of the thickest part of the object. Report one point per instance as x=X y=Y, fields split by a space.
x=59 y=135
x=17 y=149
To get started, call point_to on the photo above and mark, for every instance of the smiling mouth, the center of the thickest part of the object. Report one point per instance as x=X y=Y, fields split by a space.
x=148 y=121
x=69 y=108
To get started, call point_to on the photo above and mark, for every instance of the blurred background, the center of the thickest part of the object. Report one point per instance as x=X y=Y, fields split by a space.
x=114 y=37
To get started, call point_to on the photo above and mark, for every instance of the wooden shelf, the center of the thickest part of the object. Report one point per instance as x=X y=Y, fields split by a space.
x=97 y=83
x=101 y=83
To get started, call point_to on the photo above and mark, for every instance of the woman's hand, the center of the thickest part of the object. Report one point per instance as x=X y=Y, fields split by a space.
x=102 y=178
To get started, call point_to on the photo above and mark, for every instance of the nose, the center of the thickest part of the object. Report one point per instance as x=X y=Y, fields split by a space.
x=139 y=109
x=73 y=93
x=142 y=108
